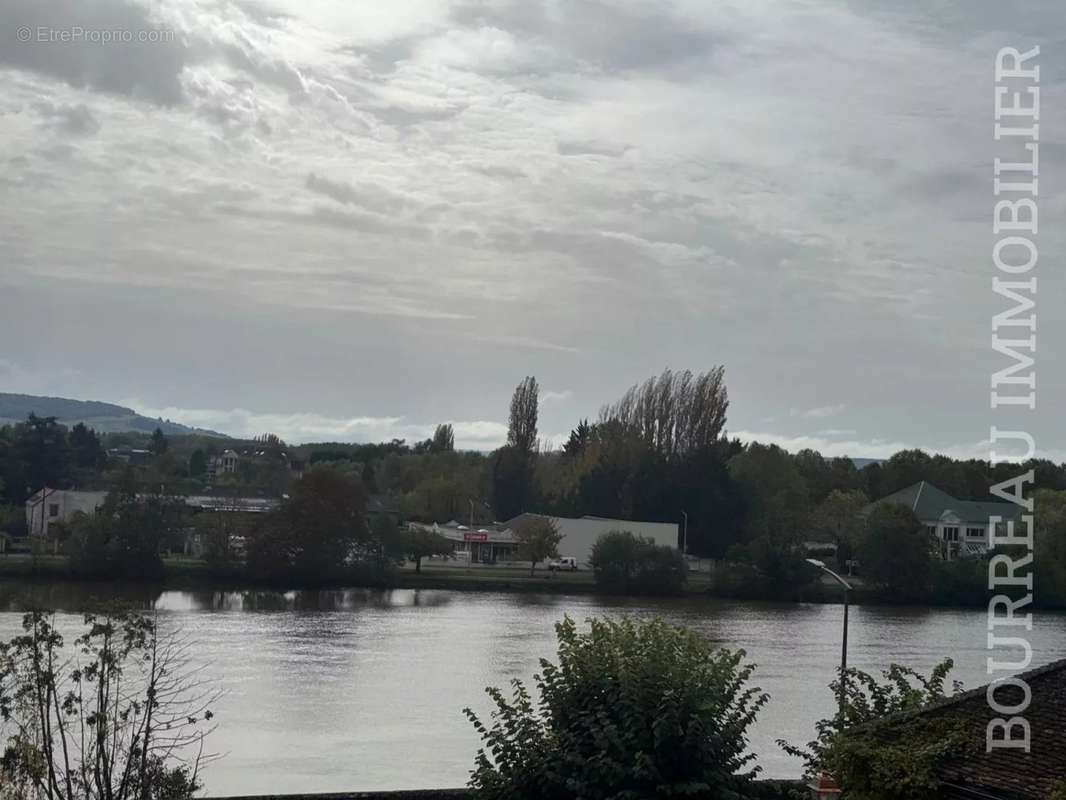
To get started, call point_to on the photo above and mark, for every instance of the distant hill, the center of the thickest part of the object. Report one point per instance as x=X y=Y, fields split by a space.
x=103 y=417
x=862 y=463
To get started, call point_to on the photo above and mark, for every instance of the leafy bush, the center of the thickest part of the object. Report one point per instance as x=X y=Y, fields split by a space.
x=897 y=553
x=314 y=532
x=623 y=562
x=632 y=710
x=886 y=762
x=124 y=536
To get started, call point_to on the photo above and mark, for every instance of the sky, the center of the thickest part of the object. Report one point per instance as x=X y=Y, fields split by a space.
x=355 y=220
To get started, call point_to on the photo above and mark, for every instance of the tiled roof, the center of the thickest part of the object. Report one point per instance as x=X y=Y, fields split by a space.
x=1003 y=774
x=930 y=503
x=1013 y=773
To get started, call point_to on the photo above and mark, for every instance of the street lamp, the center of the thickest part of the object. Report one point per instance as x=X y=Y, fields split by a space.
x=814 y=562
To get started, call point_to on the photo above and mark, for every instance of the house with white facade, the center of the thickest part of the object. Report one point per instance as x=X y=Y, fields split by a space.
x=51 y=506
x=225 y=464
x=960 y=526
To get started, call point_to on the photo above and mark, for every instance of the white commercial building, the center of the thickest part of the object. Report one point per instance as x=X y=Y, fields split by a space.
x=492 y=544
x=49 y=506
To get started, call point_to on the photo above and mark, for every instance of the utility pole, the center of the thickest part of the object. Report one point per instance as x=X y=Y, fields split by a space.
x=684 y=536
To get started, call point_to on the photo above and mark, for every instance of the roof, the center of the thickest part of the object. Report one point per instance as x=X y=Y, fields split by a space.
x=1004 y=773
x=931 y=504
x=1010 y=773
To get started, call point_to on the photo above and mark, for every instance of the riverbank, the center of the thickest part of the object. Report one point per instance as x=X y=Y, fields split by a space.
x=767 y=790
x=725 y=583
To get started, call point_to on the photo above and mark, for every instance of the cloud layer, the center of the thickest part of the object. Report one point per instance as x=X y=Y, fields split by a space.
x=395 y=212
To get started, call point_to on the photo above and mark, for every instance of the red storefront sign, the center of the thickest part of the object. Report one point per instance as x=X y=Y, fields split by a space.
x=475 y=537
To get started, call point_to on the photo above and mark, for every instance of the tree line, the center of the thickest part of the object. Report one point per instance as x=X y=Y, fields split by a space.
x=660 y=452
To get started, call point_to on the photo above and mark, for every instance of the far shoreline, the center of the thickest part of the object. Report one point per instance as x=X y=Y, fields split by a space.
x=189 y=575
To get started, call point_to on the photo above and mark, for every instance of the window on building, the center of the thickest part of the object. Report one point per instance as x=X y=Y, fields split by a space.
x=951 y=533
x=975 y=533
x=931 y=529
x=53 y=509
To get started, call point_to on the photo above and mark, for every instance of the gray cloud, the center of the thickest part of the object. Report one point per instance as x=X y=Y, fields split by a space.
x=367 y=195
x=75 y=120
x=609 y=36
x=141 y=69
x=583 y=191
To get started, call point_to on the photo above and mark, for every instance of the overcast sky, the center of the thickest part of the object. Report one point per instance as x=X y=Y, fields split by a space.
x=354 y=220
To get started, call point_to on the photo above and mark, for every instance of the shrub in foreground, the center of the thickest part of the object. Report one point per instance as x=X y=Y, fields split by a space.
x=631 y=710
x=120 y=714
x=874 y=760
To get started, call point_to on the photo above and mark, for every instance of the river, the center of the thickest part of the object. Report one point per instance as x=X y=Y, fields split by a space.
x=346 y=690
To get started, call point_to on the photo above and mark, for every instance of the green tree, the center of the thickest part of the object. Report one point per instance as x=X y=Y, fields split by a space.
x=419 y=543
x=579 y=439
x=896 y=552
x=673 y=413
x=838 y=516
x=631 y=710
x=522 y=427
x=369 y=476
x=1049 y=544
x=159 y=444
x=387 y=545
x=43 y=455
x=443 y=439
x=777 y=513
x=85 y=447
x=124 y=537
x=624 y=562
x=905 y=468
x=537 y=538
x=312 y=535
x=513 y=464
x=774 y=492
x=198 y=463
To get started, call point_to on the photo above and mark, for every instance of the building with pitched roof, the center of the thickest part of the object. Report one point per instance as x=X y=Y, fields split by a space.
x=962 y=527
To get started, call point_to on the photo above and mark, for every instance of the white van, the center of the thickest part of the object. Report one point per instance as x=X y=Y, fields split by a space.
x=564 y=564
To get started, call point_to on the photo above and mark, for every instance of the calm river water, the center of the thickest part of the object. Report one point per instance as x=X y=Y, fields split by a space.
x=345 y=690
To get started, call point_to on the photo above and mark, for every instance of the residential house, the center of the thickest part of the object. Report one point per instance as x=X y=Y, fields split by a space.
x=224 y=464
x=961 y=527
x=51 y=506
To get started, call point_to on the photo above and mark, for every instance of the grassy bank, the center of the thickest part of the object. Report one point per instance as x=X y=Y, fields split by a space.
x=186 y=572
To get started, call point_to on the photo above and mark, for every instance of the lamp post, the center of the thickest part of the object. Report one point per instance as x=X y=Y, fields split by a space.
x=814 y=562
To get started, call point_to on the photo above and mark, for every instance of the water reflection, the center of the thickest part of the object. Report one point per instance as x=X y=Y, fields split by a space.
x=76 y=596
x=299 y=600
x=331 y=691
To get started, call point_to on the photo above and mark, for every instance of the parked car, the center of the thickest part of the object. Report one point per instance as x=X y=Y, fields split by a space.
x=564 y=564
